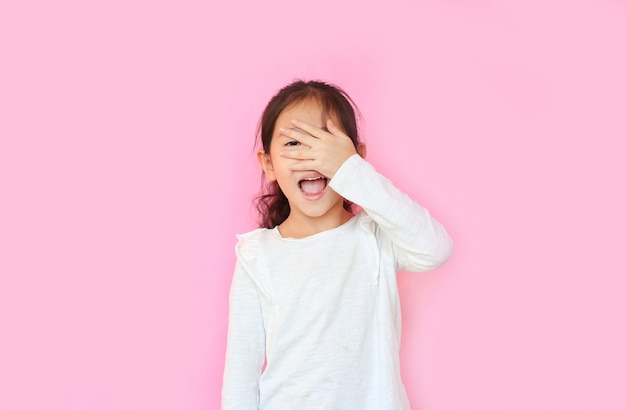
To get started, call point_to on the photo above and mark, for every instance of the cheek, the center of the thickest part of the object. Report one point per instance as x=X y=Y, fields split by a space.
x=281 y=166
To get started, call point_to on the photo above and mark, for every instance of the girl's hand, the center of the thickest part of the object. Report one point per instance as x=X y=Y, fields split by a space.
x=320 y=150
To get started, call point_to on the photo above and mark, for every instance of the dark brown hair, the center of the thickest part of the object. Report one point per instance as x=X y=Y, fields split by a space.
x=272 y=203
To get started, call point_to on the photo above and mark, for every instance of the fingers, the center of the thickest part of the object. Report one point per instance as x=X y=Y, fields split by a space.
x=321 y=150
x=303 y=160
x=317 y=132
x=311 y=129
x=298 y=135
x=299 y=154
x=331 y=129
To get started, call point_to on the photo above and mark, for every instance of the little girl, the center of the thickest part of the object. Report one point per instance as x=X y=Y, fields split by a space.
x=314 y=310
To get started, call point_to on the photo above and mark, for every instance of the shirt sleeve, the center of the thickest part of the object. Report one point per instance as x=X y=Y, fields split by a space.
x=245 y=351
x=420 y=242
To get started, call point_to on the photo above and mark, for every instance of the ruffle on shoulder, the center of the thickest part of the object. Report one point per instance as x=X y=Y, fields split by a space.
x=250 y=257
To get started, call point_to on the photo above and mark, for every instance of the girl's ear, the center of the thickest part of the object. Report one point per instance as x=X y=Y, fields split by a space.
x=361 y=149
x=266 y=163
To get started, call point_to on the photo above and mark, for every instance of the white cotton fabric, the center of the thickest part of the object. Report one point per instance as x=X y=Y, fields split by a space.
x=324 y=310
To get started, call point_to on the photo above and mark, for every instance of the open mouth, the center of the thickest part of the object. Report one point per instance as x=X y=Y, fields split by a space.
x=313 y=186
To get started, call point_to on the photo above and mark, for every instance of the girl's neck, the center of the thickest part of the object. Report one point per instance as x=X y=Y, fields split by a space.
x=301 y=226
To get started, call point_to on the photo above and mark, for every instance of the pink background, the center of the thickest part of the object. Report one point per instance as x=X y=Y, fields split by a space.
x=127 y=166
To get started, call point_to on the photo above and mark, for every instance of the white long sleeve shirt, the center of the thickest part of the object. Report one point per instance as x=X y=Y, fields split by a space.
x=322 y=312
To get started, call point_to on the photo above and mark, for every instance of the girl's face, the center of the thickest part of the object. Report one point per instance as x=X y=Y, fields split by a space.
x=319 y=207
